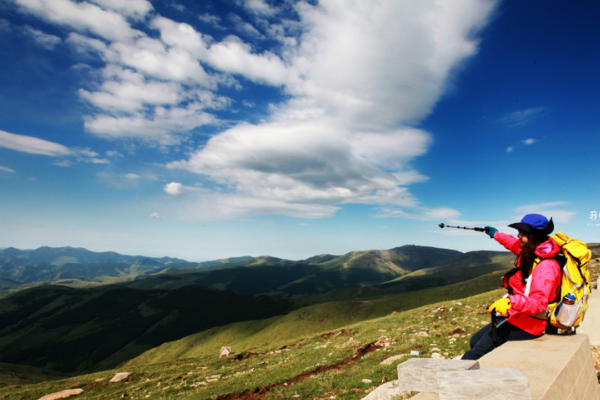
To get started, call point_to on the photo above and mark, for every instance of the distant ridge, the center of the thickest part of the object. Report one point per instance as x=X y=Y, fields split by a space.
x=20 y=269
x=76 y=330
x=83 y=330
x=63 y=255
x=78 y=267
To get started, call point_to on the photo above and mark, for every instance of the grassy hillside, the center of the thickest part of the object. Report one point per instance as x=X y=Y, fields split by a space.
x=344 y=362
x=306 y=354
x=246 y=336
x=71 y=330
x=325 y=273
x=15 y=374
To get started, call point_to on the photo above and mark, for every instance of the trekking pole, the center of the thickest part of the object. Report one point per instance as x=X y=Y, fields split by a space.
x=442 y=225
x=494 y=328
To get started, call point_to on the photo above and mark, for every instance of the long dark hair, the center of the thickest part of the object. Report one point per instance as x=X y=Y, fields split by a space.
x=527 y=256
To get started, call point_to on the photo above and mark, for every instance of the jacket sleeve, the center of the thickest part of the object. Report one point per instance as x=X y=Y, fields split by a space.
x=509 y=242
x=545 y=280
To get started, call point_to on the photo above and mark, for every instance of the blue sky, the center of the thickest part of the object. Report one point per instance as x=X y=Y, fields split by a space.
x=214 y=129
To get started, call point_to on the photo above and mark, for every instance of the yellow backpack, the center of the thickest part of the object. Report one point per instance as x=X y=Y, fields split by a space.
x=570 y=306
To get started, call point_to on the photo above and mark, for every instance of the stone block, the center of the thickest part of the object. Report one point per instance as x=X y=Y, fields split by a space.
x=419 y=374
x=484 y=384
x=388 y=391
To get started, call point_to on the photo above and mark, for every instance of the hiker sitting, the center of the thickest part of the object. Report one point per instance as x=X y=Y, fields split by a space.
x=531 y=285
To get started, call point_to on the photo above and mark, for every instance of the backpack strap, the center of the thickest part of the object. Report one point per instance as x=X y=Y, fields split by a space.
x=528 y=280
x=544 y=315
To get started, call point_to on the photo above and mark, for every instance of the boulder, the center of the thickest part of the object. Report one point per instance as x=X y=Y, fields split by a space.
x=225 y=351
x=62 y=395
x=120 y=376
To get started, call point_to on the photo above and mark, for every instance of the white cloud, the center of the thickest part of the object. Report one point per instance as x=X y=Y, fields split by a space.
x=218 y=206
x=5 y=25
x=292 y=163
x=182 y=35
x=129 y=91
x=153 y=58
x=526 y=142
x=136 y=9
x=63 y=163
x=113 y=153
x=6 y=169
x=421 y=214
x=233 y=56
x=521 y=117
x=32 y=145
x=164 y=126
x=175 y=189
x=210 y=19
x=82 y=16
x=357 y=78
x=156 y=215
x=96 y=160
x=555 y=210
x=384 y=65
x=259 y=7
x=392 y=149
x=43 y=39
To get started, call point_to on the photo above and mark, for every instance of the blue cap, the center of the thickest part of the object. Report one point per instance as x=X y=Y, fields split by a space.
x=535 y=224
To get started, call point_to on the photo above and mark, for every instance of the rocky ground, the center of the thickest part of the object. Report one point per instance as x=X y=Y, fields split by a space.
x=596 y=356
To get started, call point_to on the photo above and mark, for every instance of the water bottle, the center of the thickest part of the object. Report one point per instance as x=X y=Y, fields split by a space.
x=568 y=310
x=569 y=299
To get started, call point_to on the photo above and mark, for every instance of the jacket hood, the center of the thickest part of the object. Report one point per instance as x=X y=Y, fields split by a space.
x=547 y=249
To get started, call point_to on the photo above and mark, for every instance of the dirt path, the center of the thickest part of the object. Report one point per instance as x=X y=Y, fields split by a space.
x=260 y=392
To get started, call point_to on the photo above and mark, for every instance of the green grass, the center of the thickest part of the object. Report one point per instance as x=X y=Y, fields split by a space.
x=14 y=374
x=248 y=335
x=319 y=365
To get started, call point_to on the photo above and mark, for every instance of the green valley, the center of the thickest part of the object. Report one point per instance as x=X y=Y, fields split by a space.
x=326 y=339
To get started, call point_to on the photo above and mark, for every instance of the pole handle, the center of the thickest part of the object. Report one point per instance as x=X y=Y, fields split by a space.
x=478 y=229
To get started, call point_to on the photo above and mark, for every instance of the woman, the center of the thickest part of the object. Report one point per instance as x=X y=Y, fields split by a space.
x=531 y=284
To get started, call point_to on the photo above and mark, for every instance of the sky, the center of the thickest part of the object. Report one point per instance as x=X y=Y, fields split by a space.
x=215 y=129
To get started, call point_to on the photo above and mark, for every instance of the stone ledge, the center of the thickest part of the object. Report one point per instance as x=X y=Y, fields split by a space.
x=557 y=367
x=489 y=384
x=420 y=374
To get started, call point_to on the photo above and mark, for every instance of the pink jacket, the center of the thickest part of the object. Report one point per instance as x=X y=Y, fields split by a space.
x=544 y=285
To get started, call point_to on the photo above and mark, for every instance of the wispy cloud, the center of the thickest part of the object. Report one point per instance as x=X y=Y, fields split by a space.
x=558 y=210
x=6 y=169
x=356 y=80
x=32 y=145
x=526 y=142
x=521 y=117
x=43 y=39
x=174 y=189
x=442 y=214
x=66 y=156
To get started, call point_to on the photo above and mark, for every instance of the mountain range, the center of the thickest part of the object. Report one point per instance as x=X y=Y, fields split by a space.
x=20 y=269
x=73 y=318
x=169 y=323
x=77 y=267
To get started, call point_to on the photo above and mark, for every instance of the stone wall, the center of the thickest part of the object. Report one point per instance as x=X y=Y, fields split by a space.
x=548 y=368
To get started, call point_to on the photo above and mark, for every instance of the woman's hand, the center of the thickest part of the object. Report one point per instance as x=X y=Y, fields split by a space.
x=501 y=306
x=490 y=230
